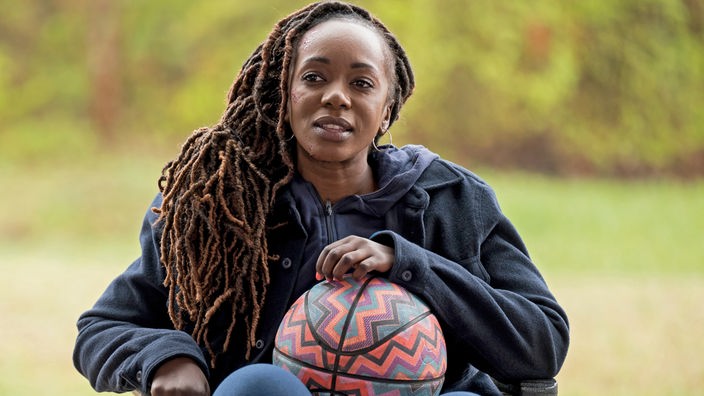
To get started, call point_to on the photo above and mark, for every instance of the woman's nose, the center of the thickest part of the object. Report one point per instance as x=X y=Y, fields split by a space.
x=336 y=96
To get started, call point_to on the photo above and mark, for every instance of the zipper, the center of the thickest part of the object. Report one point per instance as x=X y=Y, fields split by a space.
x=329 y=224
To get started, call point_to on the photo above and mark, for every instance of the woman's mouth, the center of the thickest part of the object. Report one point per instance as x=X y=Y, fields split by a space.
x=332 y=128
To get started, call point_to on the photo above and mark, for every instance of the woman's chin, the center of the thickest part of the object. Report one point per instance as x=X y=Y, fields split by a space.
x=327 y=153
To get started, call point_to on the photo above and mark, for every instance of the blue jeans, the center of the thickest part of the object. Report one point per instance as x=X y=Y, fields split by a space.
x=270 y=380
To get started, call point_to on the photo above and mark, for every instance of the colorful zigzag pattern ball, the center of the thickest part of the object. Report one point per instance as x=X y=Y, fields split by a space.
x=367 y=337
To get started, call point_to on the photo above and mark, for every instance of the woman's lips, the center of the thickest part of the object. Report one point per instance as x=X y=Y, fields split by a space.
x=332 y=128
x=333 y=123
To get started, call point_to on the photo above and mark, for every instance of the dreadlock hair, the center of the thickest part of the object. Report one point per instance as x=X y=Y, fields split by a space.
x=217 y=194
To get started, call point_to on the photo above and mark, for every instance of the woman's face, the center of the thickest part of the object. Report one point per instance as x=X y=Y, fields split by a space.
x=339 y=90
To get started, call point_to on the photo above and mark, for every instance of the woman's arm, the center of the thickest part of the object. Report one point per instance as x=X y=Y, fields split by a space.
x=127 y=335
x=494 y=306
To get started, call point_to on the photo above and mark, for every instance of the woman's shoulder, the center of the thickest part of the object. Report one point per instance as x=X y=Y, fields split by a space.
x=442 y=172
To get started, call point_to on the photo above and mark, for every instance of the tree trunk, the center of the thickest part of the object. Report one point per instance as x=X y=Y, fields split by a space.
x=103 y=46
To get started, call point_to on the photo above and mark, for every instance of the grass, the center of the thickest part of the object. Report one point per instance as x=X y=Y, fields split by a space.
x=633 y=336
x=607 y=227
x=624 y=258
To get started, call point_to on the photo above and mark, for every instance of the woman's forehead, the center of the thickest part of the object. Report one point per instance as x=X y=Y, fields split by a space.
x=342 y=34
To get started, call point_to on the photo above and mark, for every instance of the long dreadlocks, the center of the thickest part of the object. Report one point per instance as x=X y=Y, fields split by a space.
x=218 y=192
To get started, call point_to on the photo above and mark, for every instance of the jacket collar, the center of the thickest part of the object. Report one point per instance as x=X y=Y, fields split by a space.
x=439 y=174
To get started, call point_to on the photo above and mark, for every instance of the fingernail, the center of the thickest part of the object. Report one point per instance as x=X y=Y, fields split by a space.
x=318 y=276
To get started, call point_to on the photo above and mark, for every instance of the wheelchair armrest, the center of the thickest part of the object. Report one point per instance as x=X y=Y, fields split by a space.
x=540 y=387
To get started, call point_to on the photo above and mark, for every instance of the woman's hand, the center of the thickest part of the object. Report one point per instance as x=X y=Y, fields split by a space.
x=180 y=376
x=362 y=254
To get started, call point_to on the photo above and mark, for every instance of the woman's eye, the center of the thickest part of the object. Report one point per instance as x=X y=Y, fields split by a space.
x=363 y=84
x=311 y=77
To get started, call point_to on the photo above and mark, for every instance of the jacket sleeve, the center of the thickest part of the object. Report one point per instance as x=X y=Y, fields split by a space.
x=128 y=334
x=473 y=270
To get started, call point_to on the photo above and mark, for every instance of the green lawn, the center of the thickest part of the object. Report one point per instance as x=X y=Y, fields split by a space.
x=596 y=227
x=624 y=258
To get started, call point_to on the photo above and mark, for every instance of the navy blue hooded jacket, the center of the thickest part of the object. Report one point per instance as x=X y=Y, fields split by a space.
x=453 y=246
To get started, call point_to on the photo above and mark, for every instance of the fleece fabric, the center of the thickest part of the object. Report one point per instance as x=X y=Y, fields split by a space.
x=454 y=248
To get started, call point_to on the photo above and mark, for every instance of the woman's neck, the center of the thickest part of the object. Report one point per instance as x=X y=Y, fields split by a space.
x=334 y=181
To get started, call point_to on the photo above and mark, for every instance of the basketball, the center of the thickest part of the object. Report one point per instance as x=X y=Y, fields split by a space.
x=366 y=337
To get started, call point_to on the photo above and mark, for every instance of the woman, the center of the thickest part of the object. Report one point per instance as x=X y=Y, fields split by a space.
x=290 y=188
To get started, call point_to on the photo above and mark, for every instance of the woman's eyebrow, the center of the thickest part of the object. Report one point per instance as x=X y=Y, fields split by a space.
x=324 y=60
x=362 y=65
x=317 y=59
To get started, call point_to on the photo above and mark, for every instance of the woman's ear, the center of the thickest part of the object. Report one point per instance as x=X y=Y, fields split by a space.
x=287 y=117
x=387 y=119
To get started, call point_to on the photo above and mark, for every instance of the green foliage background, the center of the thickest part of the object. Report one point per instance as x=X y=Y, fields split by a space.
x=567 y=87
x=95 y=95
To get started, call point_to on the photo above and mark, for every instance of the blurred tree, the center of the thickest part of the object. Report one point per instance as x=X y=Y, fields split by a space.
x=43 y=84
x=599 y=87
x=638 y=103
x=104 y=65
